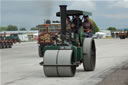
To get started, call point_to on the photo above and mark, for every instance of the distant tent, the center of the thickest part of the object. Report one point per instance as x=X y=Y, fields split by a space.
x=100 y=35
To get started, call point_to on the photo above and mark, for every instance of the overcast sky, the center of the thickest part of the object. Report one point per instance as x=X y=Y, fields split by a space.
x=29 y=13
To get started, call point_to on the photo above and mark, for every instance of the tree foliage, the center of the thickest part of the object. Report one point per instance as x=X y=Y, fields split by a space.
x=3 y=28
x=22 y=29
x=111 y=28
x=34 y=28
x=12 y=28
x=9 y=28
x=96 y=28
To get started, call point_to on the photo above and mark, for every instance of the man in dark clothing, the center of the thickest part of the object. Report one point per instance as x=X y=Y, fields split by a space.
x=88 y=27
x=76 y=23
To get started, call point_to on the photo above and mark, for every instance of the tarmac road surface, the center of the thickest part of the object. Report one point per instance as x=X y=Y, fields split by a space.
x=20 y=64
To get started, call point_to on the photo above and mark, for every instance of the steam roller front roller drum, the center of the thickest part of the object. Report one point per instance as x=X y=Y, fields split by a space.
x=65 y=57
x=89 y=54
x=50 y=60
x=59 y=63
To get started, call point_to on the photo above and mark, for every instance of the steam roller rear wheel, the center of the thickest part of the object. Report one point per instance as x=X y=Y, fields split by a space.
x=58 y=63
x=89 y=57
x=40 y=52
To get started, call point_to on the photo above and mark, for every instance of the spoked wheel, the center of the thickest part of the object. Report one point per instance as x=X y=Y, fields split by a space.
x=59 y=63
x=89 y=53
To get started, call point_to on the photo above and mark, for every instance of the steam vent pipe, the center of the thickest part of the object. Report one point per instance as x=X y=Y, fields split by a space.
x=63 y=21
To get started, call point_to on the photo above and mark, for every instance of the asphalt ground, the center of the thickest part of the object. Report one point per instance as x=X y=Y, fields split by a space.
x=118 y=77
x=20 y=65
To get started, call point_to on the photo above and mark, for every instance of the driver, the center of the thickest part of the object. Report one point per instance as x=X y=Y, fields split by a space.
x=88 y=26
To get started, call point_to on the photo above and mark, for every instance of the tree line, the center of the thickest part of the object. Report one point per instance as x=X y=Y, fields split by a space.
x=115 y=29
x=15 y=28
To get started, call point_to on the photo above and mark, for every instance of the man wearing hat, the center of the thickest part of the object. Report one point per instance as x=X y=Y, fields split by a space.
x=88 y=26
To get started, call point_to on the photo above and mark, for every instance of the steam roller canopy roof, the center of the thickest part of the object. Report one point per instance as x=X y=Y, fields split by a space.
x=75 y=12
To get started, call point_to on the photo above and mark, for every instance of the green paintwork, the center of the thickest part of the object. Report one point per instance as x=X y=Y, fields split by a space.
x=13 y=36
x=81 y=34
x=75 y=38
x=52 y=47
x=77 y=51
x=78 y=55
